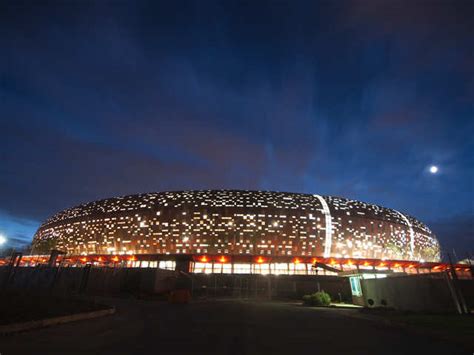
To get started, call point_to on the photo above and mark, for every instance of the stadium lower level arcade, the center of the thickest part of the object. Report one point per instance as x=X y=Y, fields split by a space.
x=239 y=232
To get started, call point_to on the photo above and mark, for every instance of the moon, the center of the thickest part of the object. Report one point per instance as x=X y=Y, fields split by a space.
x=433 y=169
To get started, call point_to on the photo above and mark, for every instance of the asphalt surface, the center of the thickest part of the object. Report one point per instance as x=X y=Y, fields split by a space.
x=225 y=327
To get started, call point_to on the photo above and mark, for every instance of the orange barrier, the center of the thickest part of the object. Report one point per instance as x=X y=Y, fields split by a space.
x=179 y=296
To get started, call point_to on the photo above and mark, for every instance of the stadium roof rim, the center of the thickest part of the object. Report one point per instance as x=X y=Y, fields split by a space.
x=237 y=190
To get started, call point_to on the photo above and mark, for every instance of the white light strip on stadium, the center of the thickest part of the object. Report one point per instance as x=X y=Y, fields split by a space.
x=412 y=234
x=327 y=218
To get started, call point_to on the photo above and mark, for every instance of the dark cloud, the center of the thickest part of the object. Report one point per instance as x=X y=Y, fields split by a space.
x=351 y=98
x=17 y=230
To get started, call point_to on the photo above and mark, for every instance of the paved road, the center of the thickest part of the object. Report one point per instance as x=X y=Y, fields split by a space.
x=223 y=327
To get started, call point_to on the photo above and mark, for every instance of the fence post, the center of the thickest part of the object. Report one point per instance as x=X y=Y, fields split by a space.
x=12 y=265
x=457 y=290
x=55 y=277
x=85 y=278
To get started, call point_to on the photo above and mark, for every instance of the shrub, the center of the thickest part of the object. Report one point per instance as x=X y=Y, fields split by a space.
x=317 y=299
x=307 y=300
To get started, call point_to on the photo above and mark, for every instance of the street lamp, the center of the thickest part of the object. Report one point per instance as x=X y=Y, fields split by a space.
x=3 y=239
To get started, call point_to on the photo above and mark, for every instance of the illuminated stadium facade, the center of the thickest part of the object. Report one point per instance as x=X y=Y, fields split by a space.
x=236 y=231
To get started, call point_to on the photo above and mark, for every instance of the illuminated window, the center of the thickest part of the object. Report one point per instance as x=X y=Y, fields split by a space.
x=262 y=269
x=168 y=265
x=203 y=268
x=298 y=269
x=242 y=268
x=279 y=268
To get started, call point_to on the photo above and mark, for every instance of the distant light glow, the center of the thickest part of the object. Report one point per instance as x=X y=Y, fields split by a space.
x=433 y=169
x=3 y=239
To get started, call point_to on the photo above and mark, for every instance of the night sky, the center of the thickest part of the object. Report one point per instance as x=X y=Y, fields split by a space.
x=353 y=99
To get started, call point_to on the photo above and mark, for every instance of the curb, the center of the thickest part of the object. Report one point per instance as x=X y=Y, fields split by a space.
x=18 y=327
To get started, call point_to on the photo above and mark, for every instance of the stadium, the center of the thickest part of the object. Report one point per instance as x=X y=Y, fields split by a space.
x=232 y=231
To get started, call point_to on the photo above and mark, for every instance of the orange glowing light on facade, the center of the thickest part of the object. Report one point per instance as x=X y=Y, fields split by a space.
x=337 y=262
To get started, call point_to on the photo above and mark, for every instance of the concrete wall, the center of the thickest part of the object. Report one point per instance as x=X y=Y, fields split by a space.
x=93 y=281
x=411 y=293
x=135 y=280
x=269 y=286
